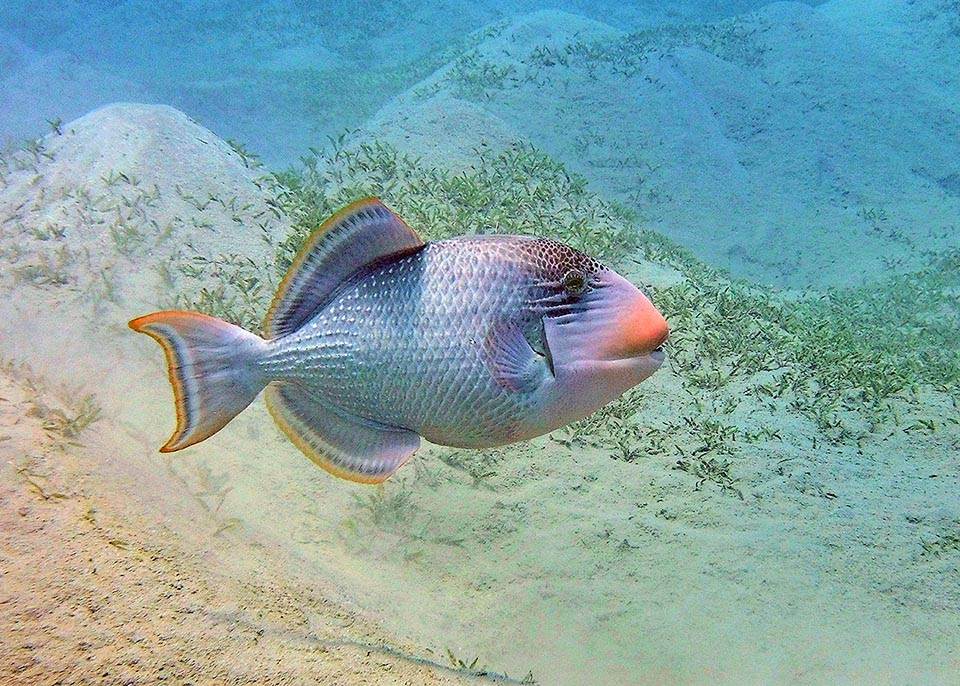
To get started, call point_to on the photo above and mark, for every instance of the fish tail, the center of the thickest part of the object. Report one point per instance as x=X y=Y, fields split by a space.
x=213 y=370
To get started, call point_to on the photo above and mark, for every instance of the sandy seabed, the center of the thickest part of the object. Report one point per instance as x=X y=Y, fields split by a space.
x=96 y=591
x=239 y=561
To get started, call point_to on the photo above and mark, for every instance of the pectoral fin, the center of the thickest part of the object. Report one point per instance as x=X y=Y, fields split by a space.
x=515 y=365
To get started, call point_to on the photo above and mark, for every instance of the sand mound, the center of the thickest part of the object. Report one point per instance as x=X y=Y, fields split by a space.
x=441 y=125
x=104 y=213
x=99 y=174
x=122 y=551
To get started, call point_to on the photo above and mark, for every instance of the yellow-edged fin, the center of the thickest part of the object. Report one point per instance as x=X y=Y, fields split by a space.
x=148 y=325
x=351 y=448
x=212 y=369
x=355 y=236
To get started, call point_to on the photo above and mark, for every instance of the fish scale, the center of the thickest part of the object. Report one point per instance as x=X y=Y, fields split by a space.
x=434 y=383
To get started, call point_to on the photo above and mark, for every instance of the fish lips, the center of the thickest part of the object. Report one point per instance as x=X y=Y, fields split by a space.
x=635 y=328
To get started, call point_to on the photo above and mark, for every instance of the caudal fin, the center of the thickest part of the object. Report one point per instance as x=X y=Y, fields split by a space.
x=212 y=367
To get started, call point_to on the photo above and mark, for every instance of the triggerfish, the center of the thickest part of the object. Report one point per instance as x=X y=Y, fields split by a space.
x=376 y=339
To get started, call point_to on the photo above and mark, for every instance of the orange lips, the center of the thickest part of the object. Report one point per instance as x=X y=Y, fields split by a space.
x=639 y=329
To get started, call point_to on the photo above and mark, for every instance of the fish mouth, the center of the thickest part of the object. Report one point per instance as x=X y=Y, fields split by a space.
x=640 y=332
x=658 y=355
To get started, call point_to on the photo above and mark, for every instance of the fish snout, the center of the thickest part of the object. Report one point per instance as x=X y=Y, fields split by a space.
x=639 y=328
x=646 y=329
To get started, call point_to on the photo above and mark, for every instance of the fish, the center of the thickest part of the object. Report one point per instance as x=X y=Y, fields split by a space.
x=376 y=339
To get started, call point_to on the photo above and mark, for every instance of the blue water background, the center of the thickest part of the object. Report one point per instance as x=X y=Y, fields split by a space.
x=259 y=73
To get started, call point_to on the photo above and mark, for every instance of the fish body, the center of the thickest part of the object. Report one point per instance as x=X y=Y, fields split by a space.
x=376 y=339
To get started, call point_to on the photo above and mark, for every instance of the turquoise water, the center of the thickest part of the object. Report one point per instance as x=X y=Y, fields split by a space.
x=779 y=504
x=280 y=77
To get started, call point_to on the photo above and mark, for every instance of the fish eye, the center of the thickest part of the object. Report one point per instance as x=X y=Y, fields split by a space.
x=575 y=282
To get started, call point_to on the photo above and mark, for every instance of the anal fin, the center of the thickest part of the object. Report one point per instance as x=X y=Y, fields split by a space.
x=349 y=447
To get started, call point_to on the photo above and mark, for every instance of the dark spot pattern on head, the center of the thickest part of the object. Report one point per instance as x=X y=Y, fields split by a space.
x=545 y=276
x=556 y=259
x=561 y=278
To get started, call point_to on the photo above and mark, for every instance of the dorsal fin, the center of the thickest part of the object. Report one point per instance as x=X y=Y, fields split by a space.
x=355 y=236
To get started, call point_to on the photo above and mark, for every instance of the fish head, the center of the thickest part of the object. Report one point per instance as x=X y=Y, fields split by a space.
x=603 y=335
